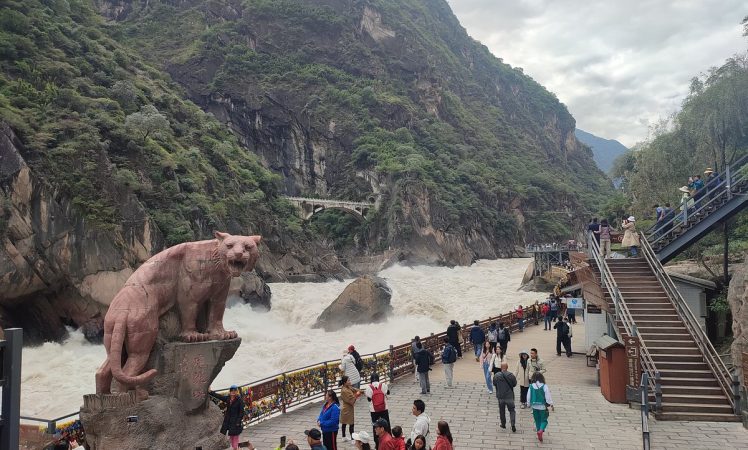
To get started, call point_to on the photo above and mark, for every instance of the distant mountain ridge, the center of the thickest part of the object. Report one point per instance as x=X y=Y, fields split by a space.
x=604 y=151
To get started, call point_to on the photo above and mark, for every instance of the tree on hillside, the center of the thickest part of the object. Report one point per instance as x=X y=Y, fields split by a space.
x=147 y=122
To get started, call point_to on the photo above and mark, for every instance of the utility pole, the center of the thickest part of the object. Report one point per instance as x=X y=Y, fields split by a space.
x=725 y=260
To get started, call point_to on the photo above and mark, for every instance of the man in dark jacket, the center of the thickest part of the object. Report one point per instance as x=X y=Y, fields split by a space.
x=449 y=356
x=504 y=382
x=477 y=337
x=563 y=336
x=504 y=337
x=453 y=332
x=314 y=439
x=424 y=359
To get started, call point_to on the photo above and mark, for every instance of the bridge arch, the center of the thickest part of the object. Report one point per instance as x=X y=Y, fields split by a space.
x=307 y=207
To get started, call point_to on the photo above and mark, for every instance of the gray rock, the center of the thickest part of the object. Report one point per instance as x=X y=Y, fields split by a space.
x=255 y=292
x=737 y=297
x=366 y=300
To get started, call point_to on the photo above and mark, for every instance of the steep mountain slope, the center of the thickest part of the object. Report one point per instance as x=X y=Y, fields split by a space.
x=604 y=151
x=390 y=100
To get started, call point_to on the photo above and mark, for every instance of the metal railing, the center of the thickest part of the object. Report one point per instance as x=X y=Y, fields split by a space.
x=711 y=357
x=729 y=184
x=644 y=394
x=622 y=312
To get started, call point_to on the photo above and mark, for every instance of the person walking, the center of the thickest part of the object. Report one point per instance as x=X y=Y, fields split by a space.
x=546 y=311
x=712 y=181
x=538 y=396
x=348 y=397
x=659 y=217
x=604 y=238
x=477 y=337
x=233 y=415
x=594 y=227
x=348 y=367
x=553 y=303
x=314 y=439
x=520 y=313
x=485 y=359
x=523 y=374
x=504 y=337
x=449 y=357
x=424 y=360
x=444 y=436
x=376 y=393
x=493 y=335
x=328 y=420
x=630 y=236
x=563 y=336
x=422 y=423
x=536 y=364
x=453 y=333
x=504 y=382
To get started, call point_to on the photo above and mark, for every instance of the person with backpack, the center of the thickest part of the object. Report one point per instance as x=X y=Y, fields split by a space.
x=424 y=360
x=563 y=336
x=554 y=308
x=539 y=399
x=504 y=337
x=348 y=397
x=546 y=311
x=376 y=393
x=453 y=333
x=477 y=337
x=348 y=367
x=504 y=382
x=449 y=357
x=493 y=336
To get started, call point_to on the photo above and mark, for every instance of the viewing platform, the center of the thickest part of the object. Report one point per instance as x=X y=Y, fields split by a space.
x=582 y=419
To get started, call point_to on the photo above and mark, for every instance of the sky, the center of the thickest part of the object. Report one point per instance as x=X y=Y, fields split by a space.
x=619 y=66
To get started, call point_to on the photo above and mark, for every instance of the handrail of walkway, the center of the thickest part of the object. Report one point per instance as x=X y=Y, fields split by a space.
x=622 y=312
x=715 y=363
x=709 y=195
x=282 y=392
x=279 y=393
x=644 y=392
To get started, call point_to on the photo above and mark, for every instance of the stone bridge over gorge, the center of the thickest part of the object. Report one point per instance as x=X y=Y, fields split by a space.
x=308 y=207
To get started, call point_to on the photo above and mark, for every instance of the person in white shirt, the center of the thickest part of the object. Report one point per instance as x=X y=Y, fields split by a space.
x=376 y=393
x=539 y=399
x=421 y=426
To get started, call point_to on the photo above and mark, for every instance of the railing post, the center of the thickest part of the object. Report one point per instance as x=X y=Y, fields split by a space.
x=658 y=392
x=728 y=183
x=284 y=391
x=11 y=392
x=645 y=390
x=736 y=393
x=51 y=427
x=392 y=363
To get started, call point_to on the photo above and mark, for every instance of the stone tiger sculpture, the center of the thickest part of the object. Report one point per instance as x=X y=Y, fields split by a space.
x=192 y=276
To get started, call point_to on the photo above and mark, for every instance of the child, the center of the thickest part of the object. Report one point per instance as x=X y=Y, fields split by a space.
x=539 y=398
x=397 y=434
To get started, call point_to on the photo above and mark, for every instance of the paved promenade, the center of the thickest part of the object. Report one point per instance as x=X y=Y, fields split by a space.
x=583 y=418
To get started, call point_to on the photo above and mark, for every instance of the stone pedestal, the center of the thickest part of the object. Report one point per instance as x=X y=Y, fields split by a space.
x=177 y=415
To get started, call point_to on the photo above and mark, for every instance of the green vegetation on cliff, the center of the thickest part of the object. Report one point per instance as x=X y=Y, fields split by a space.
x=393 y=88
x=100 y=125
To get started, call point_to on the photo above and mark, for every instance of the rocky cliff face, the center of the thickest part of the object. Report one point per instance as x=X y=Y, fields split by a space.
x=54 y=268
x=316 y=90
x=737 y=297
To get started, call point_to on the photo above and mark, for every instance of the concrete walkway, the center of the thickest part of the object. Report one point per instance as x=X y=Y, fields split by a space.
x=583 y=418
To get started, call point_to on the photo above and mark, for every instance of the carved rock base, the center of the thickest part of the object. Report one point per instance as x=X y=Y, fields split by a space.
x=177 y=415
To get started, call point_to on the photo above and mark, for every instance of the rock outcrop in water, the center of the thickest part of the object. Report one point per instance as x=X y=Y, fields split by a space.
x=366 y=300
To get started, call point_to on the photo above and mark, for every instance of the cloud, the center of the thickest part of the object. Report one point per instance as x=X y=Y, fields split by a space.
x=618 y=66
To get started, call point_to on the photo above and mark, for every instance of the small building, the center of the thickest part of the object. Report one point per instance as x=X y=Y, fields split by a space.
x=698 y=292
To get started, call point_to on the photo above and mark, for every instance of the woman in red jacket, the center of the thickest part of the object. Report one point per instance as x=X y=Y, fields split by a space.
x=444 y=437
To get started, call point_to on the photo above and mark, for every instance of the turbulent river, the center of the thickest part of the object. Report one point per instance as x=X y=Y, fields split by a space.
x=55 y=376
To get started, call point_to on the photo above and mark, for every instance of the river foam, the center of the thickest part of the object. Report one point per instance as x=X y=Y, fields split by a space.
x=55 y=376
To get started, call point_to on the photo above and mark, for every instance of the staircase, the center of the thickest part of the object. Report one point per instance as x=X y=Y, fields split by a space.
x=690 y=389
x=719 y=202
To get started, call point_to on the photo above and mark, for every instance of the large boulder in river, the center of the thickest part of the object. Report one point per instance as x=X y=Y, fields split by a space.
x=366 y=300
x=255 y=291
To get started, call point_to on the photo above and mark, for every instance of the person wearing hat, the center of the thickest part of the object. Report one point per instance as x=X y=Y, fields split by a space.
x=348 y=366
x=686 y=202
x=382 y=431
x=314 y=439
x=233 y=415
x=362 y=440
x=711 y=180
x=630 y=236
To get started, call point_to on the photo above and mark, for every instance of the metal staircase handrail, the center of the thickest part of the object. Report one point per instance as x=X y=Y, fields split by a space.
x=710 y=195
x=712 y=359
x=622 y=311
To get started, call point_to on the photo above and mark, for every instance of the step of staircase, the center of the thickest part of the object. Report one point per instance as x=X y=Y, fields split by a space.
x=680 y=381
x=689 y=399
x=669 y=343
x=682 y=351
x=695 y=407
x=676 y=373
x=666 y=337
x=698 y=417
x=692 y=391
x=659 y=358
x=694 y=366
